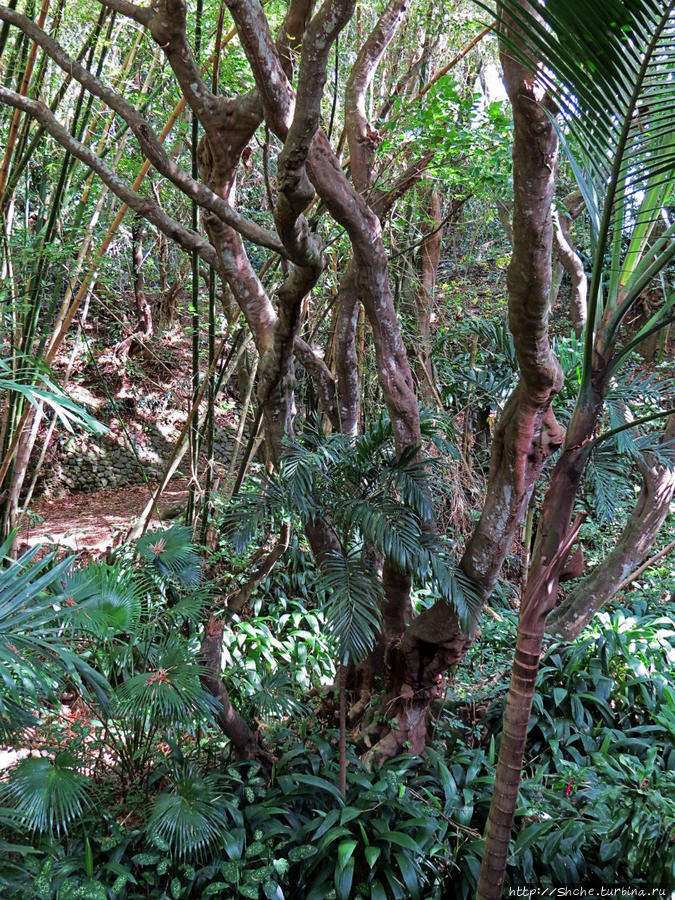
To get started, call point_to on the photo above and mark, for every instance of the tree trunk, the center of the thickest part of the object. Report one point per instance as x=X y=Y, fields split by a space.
x=650 y=511
x=536 y=601
x=527 y=433
x=430 y=256
x=143 y=310
x=246 y=743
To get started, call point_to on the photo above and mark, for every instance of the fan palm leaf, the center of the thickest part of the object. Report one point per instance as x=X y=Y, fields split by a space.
x=170 y=694
x=107 y=599
x=33 y=654
x=46 y=795
x=187 y=818
x=171 y=552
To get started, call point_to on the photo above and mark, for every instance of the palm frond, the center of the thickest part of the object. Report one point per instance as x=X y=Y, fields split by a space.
x=276 y=695
x=169 y=695
x=34 y=656
x=247 y=516
x=408 y=476
x=102 y=598
x=46 y=795
x=608 y=478
x=453 y=584
x=386 y=525
x=189 y=819
x=353 y=605
x=608 y=65
x=36 y=383
x=171 y=552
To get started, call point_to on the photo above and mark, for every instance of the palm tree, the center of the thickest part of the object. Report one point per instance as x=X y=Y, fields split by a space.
x=609 y=69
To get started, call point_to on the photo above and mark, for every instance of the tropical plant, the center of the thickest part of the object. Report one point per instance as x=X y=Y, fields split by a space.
x=35 y=655
x=613 y=87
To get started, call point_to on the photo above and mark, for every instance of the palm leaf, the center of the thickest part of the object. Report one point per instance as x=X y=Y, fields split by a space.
x=276 y=695
x=34 y=657
x=387 y=525
x=36 y=384
x=608 y=478
x=103 y=598
x=47 y=795
x=609 y=65
x=247 y=515
x=188 y=819
x=352 y=609
x=453 y=584
x=171 y=552
x=170 y=694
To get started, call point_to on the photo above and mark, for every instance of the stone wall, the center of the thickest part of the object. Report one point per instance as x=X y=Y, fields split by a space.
x=84 y=464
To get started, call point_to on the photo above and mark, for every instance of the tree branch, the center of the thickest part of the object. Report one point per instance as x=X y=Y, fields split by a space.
x=144 y=206
x=359 y=132
x=606 y=579
x=140 y=14
x=147 y=139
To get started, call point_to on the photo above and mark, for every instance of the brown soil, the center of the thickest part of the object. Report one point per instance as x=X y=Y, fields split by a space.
x=93 y=522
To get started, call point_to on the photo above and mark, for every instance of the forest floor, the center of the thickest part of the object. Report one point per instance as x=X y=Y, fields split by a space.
x=94 y=522
x=152 y=388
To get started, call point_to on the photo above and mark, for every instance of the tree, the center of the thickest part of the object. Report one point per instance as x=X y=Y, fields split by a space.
x=636 y=126
x=288 y=77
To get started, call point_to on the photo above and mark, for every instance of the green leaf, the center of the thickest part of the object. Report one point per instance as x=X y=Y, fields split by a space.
x=372 y=855
x=47 y=796
x=216 y=889
x=249 y=890
x=296 y=854
x=377 y=892
x=400 y=839
x=321 y=784
x=409 y=875
x=345 y=851
x=343 y=880
x=559 y=694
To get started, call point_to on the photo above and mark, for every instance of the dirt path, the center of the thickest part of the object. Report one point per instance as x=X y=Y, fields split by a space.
x=93 y=522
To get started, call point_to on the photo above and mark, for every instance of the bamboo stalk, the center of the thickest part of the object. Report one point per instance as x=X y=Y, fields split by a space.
x=25 y=84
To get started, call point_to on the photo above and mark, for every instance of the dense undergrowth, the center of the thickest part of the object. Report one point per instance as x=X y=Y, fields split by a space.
x=132 y=793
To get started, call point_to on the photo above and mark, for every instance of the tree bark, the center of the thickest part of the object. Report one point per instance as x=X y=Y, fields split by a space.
x=537 y=600
x=576 y=610
x=430 y=257
x=573 y=265
x=246 y=742
x=527 y=433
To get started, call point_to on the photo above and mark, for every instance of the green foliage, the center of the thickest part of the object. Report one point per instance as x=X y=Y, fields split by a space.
x=352 y=611
x=188 y=818
x=35 y=382
x=372 y=500
x=46 y=795
x=599 y=803
x=34 y=656
x=170 y=552
x=276 y=654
